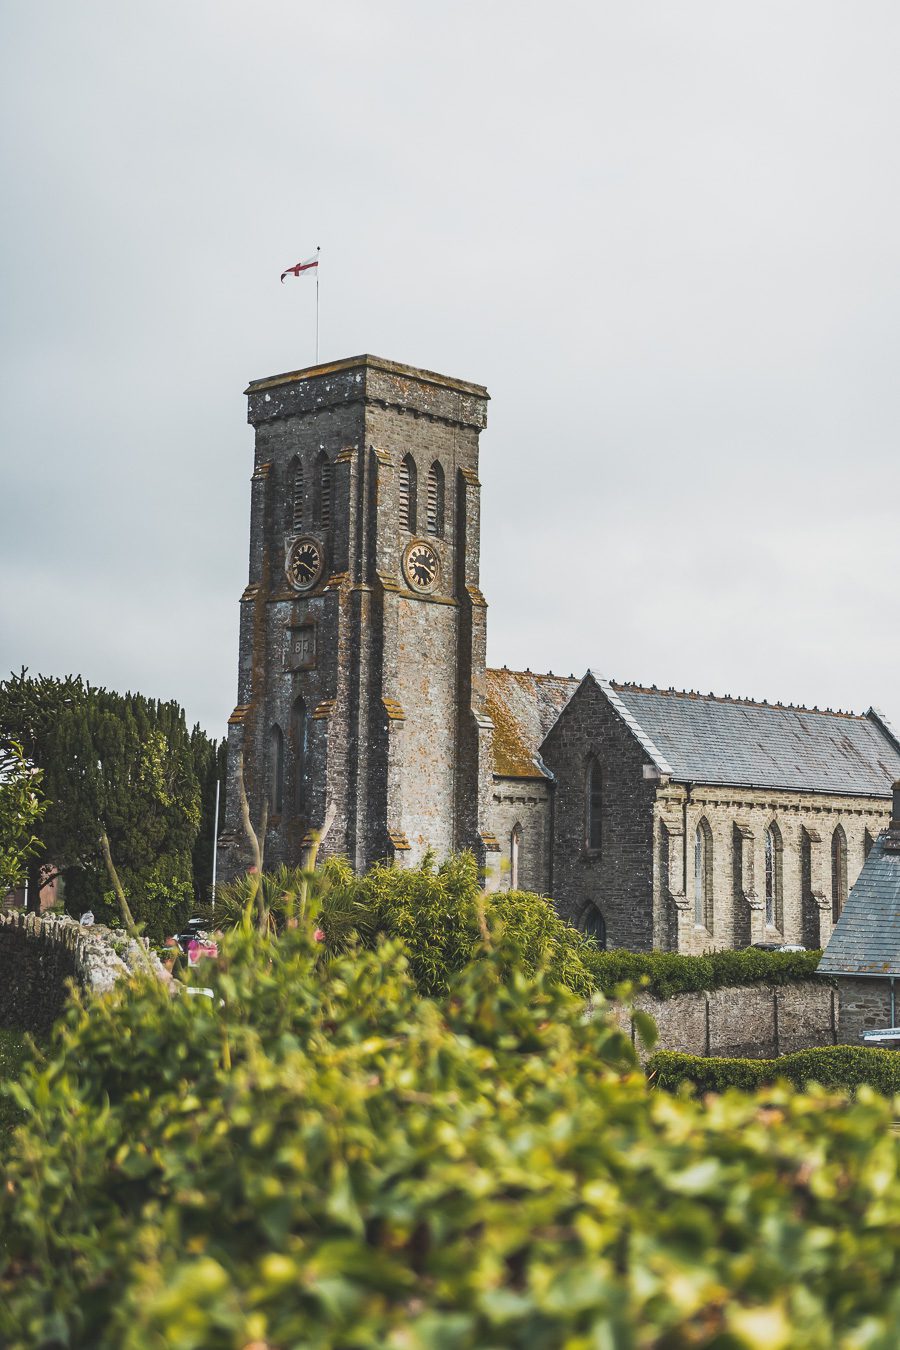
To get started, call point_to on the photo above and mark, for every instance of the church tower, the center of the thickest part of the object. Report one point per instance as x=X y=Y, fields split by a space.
x=361 y=679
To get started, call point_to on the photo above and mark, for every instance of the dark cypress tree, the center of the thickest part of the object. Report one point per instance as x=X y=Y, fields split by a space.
x=123 y=763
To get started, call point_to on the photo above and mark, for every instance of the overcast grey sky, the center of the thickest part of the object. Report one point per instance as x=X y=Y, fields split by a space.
x=664 y=235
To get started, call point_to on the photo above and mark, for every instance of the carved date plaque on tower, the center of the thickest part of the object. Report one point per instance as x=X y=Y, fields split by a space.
x=301 y=647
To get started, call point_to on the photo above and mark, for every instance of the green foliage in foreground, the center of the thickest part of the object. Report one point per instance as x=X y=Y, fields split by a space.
x=320 y=1156
x=13 y=1053
x=439 y=912
x=835 y=1066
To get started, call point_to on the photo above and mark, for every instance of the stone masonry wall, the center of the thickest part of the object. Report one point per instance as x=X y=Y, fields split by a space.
x=617 y=879
x=524 y=802
x=753 y=1022
x=40 y=955
x=865 y=1005
x=738 y=819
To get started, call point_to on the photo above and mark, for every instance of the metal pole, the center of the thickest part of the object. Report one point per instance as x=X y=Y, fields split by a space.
x=318 y=251
x=215 y=840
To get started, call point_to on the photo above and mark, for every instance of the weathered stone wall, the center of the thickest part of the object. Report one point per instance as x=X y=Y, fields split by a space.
x=865 y=1005
x=738 y=819
x=616 y=879
x=40 y=954
x=524 y=802
x=752 y=1022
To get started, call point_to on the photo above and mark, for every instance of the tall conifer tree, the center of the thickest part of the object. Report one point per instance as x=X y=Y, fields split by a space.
x=123 y=763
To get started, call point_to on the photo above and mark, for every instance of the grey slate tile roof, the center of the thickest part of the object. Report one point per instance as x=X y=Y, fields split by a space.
x=733 y=742
x=866 y=939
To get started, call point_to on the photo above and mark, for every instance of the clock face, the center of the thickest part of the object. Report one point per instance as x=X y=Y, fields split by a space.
x=304 y=564
x=421 y=566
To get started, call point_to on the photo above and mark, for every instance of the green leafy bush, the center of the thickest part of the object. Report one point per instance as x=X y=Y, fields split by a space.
x=441 y=913
x=835 y=1066
x=320 y=1156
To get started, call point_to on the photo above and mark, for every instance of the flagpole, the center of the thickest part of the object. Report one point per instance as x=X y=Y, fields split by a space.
x=318 y=251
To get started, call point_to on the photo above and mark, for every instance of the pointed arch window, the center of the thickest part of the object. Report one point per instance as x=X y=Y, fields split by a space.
x=838 y=873
x=774 y=851
x=323 y=490
x=515 y=850
x=593 y=802
x=703 y=876
x=299 y=746
x=436 y=500
x=297 y=497
x=408 y=489
x=276 y=769
x=592 y=923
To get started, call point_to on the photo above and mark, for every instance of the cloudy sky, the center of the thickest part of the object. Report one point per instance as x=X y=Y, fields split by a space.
x=664 y=235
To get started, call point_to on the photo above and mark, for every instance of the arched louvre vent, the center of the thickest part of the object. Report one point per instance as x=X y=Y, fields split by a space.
x=326 y=492
x=297 y=499
x=408 y=494
x=436 y=500
x=323 y=491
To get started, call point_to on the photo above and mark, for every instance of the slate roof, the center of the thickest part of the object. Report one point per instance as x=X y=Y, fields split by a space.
x=523 y=707
x=735 y=742
x=866 y=938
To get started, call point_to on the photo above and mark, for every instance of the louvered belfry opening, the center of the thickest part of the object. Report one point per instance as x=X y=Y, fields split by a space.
x=436 y=500
x=408 y=494
x=297 y=498
x=323 y=490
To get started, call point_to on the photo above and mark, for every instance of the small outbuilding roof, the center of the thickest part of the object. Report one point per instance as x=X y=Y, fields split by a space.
x=735 y=742
x=523 y=707
x=866 y=938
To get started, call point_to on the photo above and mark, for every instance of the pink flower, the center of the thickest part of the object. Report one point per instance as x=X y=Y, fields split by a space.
x=319 y=935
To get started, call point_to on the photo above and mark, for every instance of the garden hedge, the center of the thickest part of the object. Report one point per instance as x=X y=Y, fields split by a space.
x=834 y=1066
x=320 y=1156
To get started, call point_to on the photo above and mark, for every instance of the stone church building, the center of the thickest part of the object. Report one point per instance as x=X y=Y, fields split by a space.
x=366 y=713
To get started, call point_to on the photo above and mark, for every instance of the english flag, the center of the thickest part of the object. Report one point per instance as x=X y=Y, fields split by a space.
x=306 y=266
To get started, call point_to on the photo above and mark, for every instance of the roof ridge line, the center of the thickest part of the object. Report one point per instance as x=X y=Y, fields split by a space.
x=535 y=674
x=882 y=720
x=739 y=701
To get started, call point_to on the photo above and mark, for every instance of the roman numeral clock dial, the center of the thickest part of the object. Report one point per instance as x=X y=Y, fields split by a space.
x=421 y=567
x=304 y=564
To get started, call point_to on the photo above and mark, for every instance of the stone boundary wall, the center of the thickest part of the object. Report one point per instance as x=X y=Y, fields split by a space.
x=748 y=1022
x=39 y=954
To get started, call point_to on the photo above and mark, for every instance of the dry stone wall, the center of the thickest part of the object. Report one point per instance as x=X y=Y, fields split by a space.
x=40 y=954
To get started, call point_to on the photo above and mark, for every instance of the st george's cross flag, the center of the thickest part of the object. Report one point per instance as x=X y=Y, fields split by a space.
x=299 y=268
